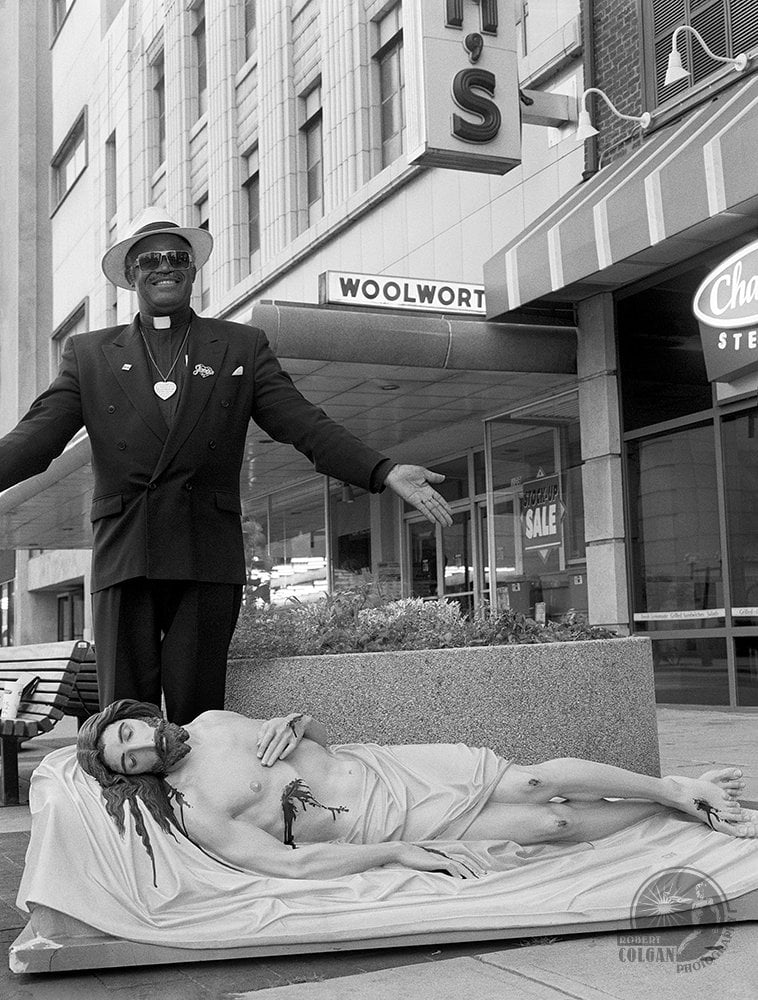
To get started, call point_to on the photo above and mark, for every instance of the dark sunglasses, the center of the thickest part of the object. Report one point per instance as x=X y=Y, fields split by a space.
x=151 y=261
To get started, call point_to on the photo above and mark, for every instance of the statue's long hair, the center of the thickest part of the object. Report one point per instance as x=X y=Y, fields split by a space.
x=150 y=790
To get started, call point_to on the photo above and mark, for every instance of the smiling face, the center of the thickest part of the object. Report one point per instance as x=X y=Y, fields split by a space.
x=139 y=746
x=164 y=291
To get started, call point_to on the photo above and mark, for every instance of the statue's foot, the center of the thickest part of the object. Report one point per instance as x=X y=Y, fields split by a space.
x=706 y=801
x=728 y=778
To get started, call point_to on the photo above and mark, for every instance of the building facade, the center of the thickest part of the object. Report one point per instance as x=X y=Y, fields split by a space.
x=659 y=210
x=497 y=323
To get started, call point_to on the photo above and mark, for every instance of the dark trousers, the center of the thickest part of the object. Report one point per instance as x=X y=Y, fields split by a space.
x=169 y=636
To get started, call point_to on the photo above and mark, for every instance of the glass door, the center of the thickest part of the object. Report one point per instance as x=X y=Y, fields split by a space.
x=502 y=575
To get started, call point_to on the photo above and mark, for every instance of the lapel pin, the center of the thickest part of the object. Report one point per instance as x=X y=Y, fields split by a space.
x=203 y=371
x=126 y=368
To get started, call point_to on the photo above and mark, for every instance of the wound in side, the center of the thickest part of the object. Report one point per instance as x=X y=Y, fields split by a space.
x=298 y=795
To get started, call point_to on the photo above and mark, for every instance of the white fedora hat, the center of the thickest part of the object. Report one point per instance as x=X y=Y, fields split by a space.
x=153 y=220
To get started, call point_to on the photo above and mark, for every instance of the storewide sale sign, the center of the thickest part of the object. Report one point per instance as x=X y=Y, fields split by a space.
x=542 y=513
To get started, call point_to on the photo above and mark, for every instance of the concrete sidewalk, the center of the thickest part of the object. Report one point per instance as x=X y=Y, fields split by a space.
x=590 y=967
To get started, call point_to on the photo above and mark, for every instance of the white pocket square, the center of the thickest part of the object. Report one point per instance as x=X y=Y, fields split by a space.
x=238 y=371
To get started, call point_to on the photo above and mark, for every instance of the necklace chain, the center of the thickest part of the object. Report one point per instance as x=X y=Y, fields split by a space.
x=165 y=377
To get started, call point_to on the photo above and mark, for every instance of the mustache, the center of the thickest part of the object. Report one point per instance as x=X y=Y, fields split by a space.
x=170 y=744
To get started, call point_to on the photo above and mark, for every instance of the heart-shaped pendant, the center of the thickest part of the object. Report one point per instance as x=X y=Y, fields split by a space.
x=164 y=389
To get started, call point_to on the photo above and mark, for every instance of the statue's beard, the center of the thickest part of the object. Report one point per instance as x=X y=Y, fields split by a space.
x=170 y=744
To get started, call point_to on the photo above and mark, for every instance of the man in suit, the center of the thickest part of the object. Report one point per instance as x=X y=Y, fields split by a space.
x=167 y=401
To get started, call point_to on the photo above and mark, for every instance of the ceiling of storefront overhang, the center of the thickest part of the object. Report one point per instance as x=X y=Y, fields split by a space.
x=430 y=415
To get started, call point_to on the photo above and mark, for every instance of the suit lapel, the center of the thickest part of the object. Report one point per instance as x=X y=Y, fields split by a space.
x=206 y=349
x=126 y=357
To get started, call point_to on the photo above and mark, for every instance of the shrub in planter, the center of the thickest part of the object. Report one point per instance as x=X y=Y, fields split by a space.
x=360 y=621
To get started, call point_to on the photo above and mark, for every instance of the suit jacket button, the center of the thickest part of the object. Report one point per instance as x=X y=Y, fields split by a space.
x=152 y=486
x=211 y=444
x=225 y=402
x=121 y=445
x=188 y=487
x=111 y=408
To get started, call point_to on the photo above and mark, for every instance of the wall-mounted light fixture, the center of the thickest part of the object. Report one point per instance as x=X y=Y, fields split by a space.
x=585 y=128
x=347 y=495
x=676 y=70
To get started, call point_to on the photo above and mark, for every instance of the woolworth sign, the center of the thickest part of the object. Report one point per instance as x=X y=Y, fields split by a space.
x=385 y=291
x=726 y=307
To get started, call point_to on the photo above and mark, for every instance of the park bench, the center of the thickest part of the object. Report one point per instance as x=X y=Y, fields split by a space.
x=57 y=665
x=85 y=699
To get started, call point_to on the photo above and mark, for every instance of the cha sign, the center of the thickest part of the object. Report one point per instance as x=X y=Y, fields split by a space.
x=726 y=306
x=384 y=291
x=462 y=88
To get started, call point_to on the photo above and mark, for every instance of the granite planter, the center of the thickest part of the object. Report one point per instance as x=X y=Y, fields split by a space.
x=593 y=699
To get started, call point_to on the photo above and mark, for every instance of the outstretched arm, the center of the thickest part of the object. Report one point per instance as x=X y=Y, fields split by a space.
x=238 y=843
x=278 y=737
x=45 y=430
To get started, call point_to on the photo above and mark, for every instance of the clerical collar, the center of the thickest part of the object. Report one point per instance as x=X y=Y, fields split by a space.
x=171 y=322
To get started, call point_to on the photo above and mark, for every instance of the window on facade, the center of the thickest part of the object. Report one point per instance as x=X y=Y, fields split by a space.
x=60 y=10
x=253 y=205
x=111 y=192
x=69 y=162
x=71 y=614
x=75 y=322
x=108 y=12
x=389 y=60
x=728 y=27
x=201 y=78
x=111 y=305
x=159 y=108
x=313 y=143
x=6 y=613
x=249 y=27
x=203 y=282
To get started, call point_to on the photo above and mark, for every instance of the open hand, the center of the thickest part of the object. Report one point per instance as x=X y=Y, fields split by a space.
x=278 y=737
x=427 y=859
x=413 y=483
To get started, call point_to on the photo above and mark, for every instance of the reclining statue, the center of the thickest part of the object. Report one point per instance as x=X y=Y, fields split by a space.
x=271 y=797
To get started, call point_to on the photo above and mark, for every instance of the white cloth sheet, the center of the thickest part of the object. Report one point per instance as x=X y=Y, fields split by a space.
x=77 y=863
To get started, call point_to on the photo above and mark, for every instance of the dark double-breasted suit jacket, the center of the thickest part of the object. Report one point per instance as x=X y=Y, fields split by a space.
x=166 y=502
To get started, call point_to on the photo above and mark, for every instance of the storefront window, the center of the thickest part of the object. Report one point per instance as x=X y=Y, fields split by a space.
x=691 y=671
x=292 y=556
x=533 y=528
x=286 y=541
x=740 y=437
x=674 y=530
x=351 y=534
x=746 y=653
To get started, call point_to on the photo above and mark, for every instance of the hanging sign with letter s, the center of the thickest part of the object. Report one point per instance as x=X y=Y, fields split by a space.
x=462 y=90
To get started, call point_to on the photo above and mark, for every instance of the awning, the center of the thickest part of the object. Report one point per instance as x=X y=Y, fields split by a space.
x=690 y=187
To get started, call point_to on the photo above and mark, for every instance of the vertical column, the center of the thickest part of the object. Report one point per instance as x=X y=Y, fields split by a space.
x=601 y=471
x=224 y=180
x=340 y=45
x=277 y=127
x=179 y=60
x=138 y=177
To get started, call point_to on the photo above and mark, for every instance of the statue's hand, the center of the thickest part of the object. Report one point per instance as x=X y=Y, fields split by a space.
x=278 y=737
